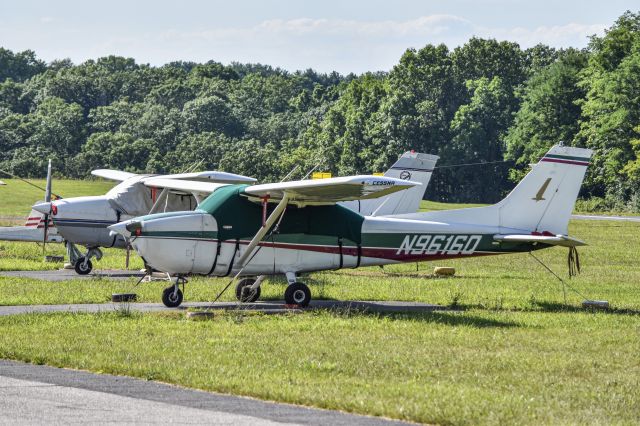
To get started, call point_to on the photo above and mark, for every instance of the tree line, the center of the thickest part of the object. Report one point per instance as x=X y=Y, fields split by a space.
x=487 y=101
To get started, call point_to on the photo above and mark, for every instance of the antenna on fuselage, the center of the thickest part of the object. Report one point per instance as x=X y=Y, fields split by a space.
x=311 y=171
x=290 y=173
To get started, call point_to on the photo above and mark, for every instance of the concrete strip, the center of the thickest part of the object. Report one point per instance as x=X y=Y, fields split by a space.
x=40 y=394
x=266 y=307
x=612 y=218
x=69 y=274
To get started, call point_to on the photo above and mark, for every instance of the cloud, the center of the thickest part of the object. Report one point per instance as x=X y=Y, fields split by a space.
x=572 y=34
x=425 y=25
x=351 y=45
x=324 y=44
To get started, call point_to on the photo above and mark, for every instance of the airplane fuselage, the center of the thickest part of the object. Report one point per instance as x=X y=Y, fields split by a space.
x=84 y=221
x=190 y=243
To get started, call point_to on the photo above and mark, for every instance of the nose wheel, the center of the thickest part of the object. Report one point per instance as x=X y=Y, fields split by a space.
x=172 y=296
x=244 y=292
x=297 y=294
x=83 y=264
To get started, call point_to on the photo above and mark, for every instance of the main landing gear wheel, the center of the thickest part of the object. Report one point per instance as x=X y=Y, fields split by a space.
x=244 y=293
x=297 y=294
x=83 y=266
x=172 y=297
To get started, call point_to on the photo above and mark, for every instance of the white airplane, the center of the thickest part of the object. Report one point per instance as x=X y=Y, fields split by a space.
x=84 y=220
x=236 y=230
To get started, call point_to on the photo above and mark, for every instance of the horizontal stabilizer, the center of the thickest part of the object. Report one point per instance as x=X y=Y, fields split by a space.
x=332 y=190
x=554 y=240
x=31 y=234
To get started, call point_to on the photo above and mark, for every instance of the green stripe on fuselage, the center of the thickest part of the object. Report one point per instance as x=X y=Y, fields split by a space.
x=567 y=157
x=401 y=243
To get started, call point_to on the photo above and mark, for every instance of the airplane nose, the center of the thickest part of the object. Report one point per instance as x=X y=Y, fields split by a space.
x=119 y=228
x=44 y=208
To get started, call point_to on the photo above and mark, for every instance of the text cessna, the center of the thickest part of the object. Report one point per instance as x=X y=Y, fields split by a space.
x=439 y=244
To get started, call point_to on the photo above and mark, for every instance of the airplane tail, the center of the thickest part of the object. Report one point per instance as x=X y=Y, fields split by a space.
x=412 y=166
x=541 y=204
x=544 y=200
x=32 y=231
x=36 y=219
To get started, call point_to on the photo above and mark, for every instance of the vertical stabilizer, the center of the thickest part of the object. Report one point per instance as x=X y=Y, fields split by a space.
x=543 y=201
x=412 y=166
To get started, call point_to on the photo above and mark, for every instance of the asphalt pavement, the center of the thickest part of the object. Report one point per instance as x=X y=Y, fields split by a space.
x=274 y=307
x=37 y=394
x=611 y=218
x=70 y=274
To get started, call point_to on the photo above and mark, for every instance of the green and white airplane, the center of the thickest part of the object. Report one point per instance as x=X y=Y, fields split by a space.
x=295 y=227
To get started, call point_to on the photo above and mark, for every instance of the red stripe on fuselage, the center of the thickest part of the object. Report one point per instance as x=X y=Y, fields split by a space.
x=390 y=253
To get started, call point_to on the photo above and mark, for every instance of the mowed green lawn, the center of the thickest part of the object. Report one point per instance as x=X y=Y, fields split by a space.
x=18 y=197
x=512 y=352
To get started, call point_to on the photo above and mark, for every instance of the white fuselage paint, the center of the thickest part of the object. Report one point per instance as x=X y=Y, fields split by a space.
x=197 y=254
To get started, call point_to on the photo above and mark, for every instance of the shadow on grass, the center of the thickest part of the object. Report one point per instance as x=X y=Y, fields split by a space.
x=452 y=318
x=561 y=307
x=550 y=307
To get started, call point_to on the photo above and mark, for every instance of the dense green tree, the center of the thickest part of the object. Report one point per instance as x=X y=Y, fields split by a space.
x=19 y=66
x=611 y=110
x=484 y=101
x=477 y=130
x=549 y=112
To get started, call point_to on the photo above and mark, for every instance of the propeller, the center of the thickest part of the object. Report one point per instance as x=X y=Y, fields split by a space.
x=47 y=199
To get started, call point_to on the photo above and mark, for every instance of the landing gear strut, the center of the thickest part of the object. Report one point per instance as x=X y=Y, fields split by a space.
x=297 y=293
x=172 y=295
x=83 y=264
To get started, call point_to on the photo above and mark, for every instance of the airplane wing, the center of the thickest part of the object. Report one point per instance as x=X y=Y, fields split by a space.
x=118 y=175
x=554 y=240
x=188 y=186
x=211 y=176
x=330 y=191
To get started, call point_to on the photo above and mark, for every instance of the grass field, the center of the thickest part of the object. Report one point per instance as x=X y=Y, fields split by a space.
x=513 y=352
x=18 y=197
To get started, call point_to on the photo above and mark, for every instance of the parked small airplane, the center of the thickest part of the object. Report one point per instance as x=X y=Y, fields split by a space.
x=229 y=232
x=84 y=220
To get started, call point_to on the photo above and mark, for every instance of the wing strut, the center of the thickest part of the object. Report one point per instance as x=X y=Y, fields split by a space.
x=248 y=254
x=159 y=201
x=267 y=224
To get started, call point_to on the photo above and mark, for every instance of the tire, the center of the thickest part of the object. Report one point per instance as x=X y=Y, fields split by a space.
x=169 y=299
x=243 y=292
x=80 y=268
x=297 y=294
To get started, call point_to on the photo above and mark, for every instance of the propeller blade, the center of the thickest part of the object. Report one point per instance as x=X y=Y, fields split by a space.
x=47 y=191
x=47 y=199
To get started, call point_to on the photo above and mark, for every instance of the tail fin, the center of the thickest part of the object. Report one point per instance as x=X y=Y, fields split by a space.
x=540 y=204
x=544 y=199
x=412 y=166
x=35 y=219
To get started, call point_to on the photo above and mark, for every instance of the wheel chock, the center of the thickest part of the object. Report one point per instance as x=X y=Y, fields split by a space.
x=124 y=297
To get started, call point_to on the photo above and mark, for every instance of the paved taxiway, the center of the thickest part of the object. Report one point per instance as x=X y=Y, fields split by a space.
x=612 y=218
x=266 y=307
x=36 y=394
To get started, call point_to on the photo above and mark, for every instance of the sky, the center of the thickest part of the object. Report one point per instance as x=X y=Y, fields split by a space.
x=326 y=35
